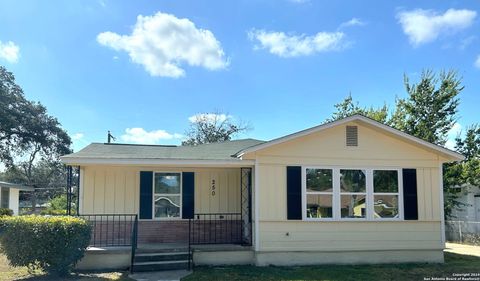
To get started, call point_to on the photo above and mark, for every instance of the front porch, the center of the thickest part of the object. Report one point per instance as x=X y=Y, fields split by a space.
x=167 y=224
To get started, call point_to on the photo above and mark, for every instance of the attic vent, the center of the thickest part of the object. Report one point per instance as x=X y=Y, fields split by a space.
x=352 y=135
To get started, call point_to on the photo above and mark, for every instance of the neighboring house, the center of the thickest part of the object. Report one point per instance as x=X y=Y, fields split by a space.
x=464 y=224
x=9 y=195
x=469 y=196
x=349 y=191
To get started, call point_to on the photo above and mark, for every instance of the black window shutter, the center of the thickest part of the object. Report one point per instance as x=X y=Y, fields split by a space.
x=146 y=193
x=188 y=195
x=294 y=192
x=410 y=202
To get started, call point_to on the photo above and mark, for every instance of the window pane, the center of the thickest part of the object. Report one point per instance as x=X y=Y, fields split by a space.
x=385 y=206
x=167 y=206
x=353 y=206
x=319 y=180
x=5 y=198
x=319 y=206
x=167 y=183
x=385 y=181
x=352 y=181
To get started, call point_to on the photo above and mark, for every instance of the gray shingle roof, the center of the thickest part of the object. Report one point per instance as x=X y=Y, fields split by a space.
x=212 y=151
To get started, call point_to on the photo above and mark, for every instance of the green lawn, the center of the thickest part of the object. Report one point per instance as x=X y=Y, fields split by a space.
x=8 y=273
x=453 y=264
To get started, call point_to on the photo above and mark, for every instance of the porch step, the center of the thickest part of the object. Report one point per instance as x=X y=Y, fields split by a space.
x=159 y=265
x=151 y=259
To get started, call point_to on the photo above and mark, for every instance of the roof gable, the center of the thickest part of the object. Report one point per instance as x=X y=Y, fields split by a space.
x=449 y=154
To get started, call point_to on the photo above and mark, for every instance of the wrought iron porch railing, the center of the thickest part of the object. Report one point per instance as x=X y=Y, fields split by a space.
x=112 y=229
x=216 y=228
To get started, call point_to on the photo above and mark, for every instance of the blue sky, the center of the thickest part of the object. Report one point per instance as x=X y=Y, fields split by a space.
x=142 y=68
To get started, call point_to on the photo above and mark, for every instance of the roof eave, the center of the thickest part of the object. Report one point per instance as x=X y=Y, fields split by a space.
x=155 y=161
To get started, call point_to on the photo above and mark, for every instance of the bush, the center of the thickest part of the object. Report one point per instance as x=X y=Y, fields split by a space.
x=58 y=206
x=6 y=212
x=54 y=244
x=53 y=212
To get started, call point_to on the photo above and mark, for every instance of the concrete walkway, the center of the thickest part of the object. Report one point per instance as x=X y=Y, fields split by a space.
x=462 y=249
x=171 y=275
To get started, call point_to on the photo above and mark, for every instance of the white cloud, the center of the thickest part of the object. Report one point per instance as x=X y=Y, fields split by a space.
x=352 y=22
x=283 y=45
x=162 y=43
x=9 y=52
x=77 y=136
x=452 y=134
x=139 y=135
x=211 y=117
x=477 y=62
x=424 y=26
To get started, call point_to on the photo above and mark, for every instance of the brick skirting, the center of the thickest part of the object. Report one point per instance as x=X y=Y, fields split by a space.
x=155 y=231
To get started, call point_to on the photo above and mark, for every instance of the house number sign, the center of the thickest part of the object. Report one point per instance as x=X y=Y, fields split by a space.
x=213 y=187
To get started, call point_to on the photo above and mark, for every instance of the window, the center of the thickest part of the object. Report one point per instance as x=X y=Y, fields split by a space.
x=167 y=195
x=352 y=193
x=385 y=194
x=5 y=198
x=319 y=190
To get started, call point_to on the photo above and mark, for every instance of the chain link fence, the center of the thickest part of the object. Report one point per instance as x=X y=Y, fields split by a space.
x=463 y=232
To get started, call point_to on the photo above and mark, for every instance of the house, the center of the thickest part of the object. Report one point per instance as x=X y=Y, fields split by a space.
x=348 y=191
x=9 y=195
x=465 y=222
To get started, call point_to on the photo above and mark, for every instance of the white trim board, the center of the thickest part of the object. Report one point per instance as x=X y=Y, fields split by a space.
x=454 y=156
x=143 y=161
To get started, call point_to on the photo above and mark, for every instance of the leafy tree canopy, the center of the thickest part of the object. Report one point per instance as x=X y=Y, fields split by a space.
x=213 y=127
x=26 y=129
x=348 y=108
x=429 y=112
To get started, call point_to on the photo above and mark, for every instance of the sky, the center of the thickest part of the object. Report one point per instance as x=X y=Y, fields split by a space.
x=145 y=69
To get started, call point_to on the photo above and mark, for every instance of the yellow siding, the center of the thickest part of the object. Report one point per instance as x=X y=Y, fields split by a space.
x=115 y=189
x=348 y=236
x=327 y=148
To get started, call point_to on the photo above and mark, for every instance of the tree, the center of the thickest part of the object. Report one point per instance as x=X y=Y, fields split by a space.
x=429 y=113
x=465 y=173
x=348 y=108
x=31 y=140
x=212 y=127
x=430 y=110
x=26 y=129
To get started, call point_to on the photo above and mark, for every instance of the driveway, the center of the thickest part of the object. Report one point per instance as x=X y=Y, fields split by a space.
x=462 y=249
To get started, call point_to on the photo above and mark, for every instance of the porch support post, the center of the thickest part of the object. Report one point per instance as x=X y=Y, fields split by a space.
x=78 y=190
x=69 y=190
x=255 y=207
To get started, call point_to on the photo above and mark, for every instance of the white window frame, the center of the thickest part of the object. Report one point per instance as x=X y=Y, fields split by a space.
x=336 y=213
x=167 y=194
x=399 y=193
x=305 y=193
x=340 y=193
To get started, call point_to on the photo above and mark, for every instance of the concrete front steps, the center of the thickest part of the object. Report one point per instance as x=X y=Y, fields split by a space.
x=161 y=259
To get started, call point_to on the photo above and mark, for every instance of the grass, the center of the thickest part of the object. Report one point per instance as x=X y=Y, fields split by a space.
x=8 y=273
x=454 y=263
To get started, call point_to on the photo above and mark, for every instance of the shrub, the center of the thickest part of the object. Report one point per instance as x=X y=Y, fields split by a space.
x=54 y=244
x=6 y=212
x=58 y=206
x=53 y=212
